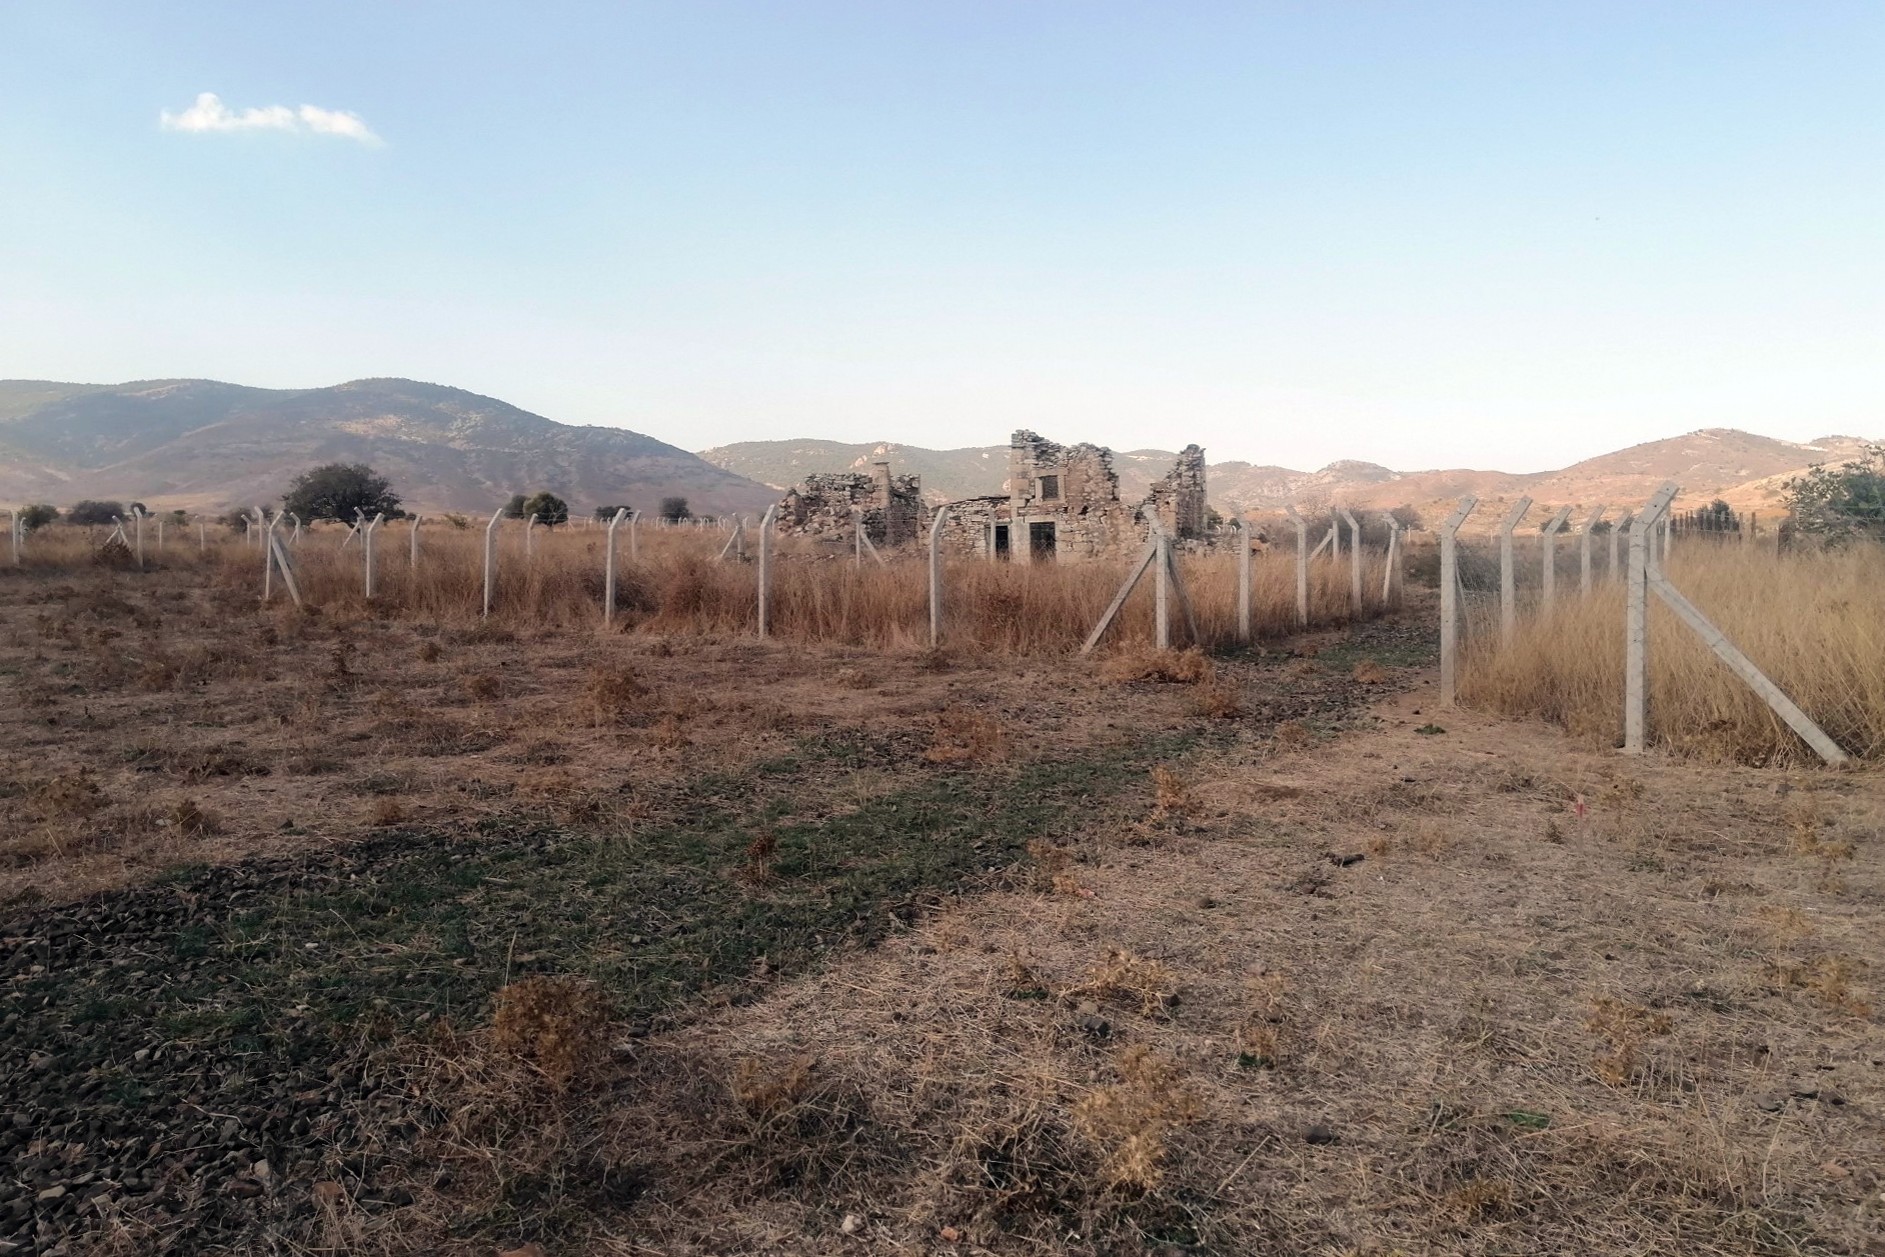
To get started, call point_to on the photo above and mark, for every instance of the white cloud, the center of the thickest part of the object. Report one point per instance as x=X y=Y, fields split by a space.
x=210 y=114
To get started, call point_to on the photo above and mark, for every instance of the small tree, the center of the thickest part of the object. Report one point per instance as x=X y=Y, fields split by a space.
x=138 y=508
x=338 y=491
x=514 y=509
x=549 y=509
x=91 y=512
x=675 y=509
x=1843 y=502
x=38 y=515
x=607 y=513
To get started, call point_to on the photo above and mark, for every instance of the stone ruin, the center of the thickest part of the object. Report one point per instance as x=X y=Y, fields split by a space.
x=830 y=504
x=1061 y=501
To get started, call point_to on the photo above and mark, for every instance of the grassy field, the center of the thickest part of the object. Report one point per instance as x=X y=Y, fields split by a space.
x=360 y=931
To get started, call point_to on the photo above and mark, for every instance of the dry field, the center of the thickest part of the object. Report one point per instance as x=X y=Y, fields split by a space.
x=379 y=930
x=1813 y=622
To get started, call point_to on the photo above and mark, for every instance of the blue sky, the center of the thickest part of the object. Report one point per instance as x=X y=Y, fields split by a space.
x=1427 y=235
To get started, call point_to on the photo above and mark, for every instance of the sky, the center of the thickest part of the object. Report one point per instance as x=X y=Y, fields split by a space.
x=1428 y=235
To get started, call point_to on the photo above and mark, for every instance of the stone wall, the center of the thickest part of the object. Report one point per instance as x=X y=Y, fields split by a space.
x=1177 y=500
x=827 y=504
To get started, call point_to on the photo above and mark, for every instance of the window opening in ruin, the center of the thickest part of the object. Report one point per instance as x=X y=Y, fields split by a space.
x=1050 y=488
x=1001 y=541
x=1041 y=540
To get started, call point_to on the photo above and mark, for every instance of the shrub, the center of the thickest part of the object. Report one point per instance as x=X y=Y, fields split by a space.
x=549 y=509
x=341 y=491
x=94 y=512
x=1843 y=502
x=38 y=515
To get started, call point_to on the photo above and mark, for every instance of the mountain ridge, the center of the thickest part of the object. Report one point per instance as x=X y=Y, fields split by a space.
x=207 y=444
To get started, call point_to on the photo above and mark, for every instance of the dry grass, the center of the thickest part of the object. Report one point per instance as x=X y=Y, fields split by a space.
x=1814 y=623
x=559 y=1025
x=678 y=585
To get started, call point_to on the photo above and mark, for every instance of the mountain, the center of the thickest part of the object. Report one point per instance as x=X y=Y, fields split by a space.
x=1749 y=471
x=206 y=445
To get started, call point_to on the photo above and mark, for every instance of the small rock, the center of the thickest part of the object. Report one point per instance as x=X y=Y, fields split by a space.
x=141 y=1055
x=53 y=1193
x=1320 y=1134
x=852 y=1224
x=262 y=1171
x=1098 y=1027
x=1770 y=1104
x=1832 y=1169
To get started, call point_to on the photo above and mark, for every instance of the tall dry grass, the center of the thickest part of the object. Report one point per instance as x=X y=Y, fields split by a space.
x=677 y=584
x=1813 y=622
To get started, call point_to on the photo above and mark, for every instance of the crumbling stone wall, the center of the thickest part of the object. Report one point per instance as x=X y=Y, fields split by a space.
x=1177 y=500
x=825 y=504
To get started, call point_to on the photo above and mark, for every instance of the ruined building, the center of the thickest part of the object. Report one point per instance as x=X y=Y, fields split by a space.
x=1061 y=501
x=828 y=504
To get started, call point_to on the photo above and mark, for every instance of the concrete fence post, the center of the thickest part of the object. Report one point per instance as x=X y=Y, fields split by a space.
x=14 y=533
x=1302 y=566
x=1391 y=568
x=490 y=558
x=1618 y=530
x=1335 y=537
x=1161 y=592
x=1583 y=549
x=137 y=528
x=366 y=548
x=1450 y=600
x=530 y=528
x=1242 y=526
x=268 y=560
x=935 y=577
x=1508 y=588
x=1549 y=545
x=608 y=568
x=412 y=545
x=1354 y=563
x=160 y=534
x=202 y=536
x=294 y=538
x=634 y=542
x=1636 y=620
x=765 y=572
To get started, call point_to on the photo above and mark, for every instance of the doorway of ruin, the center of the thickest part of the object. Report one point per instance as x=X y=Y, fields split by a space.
x=1041 y=540
x=1001 y=541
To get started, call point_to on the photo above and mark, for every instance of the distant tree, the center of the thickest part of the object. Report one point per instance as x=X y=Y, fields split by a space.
x=90 y=512
x=607 y=513
x=179 y=516
x=339 y=491
x=675 y=509
x=138 y=508
x=549 y=509
x=1406 y=516
x=514 y=509
x=1841 y=503
x=38 y=515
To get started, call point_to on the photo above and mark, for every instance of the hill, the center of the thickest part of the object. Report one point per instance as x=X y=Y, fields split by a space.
x=1748 y=470
x=206 y=445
